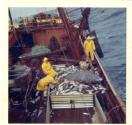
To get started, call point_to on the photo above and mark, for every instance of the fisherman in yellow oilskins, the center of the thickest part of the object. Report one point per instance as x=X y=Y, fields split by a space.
x=49 y=78
x=47 y=68
x=89 y=48
x=44 y=82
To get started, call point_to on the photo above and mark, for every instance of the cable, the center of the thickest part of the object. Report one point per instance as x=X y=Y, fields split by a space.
x=61 y=48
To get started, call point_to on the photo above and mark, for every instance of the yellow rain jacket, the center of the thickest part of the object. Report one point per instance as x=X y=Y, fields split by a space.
x=43 y=83
x=48 y=69
x=89 y=47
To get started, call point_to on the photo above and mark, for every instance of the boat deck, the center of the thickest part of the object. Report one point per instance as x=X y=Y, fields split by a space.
x=81 y=115
x=70 y=108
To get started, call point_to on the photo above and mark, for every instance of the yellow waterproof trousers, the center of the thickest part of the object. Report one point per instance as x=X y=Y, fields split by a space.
x=90 y=54
x=43 y=83
x=89 y=48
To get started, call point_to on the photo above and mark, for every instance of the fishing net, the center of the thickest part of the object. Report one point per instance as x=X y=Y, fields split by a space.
x=84 y=76
x=36 y=50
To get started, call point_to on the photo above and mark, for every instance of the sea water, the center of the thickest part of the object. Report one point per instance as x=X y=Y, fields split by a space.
x=110 y=27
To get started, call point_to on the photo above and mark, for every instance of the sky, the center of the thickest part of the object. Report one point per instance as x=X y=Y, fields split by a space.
x=17 y=12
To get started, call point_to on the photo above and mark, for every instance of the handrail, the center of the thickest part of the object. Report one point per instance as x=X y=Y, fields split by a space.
x=114 y=108
x=48 y=107
x=110 y=85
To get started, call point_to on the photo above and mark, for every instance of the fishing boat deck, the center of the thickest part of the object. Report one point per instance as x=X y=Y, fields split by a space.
x=83 y=108
x=82 y=115
x=74 y=106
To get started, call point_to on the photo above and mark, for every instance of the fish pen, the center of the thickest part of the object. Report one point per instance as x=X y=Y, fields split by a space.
x=84 y=104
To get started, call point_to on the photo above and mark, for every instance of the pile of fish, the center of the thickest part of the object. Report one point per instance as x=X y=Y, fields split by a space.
x=64 y=70
x=68 y=87
x=73 y=80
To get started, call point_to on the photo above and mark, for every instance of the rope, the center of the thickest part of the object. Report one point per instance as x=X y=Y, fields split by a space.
x=113 y=109
x=61 y=48
x=14 y=33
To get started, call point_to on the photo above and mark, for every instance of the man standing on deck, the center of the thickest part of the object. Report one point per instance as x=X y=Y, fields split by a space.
x=89 y=48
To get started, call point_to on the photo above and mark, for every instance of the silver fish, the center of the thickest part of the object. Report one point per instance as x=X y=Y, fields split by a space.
x=79 y=81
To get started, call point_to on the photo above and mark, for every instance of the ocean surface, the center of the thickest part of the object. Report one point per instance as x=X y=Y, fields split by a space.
x=110 y=26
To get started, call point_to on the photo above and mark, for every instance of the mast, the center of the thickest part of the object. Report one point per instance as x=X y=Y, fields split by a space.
x=73 y=42
x=10 y=17
x=14 y=30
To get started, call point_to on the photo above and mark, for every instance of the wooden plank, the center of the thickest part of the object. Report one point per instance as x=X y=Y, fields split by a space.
x=70 y=107
x=70 y=98
x=72 y=101
x=68 y=101
x=76 y=96
x=100 y=111
x=72 y=115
